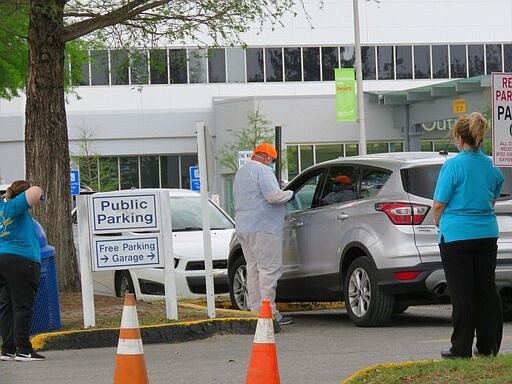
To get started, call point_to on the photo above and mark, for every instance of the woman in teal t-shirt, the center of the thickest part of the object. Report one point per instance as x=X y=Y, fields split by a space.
x=20 y=259
x=463 y=209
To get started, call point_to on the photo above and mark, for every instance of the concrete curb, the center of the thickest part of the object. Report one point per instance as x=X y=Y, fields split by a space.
x=167 y=333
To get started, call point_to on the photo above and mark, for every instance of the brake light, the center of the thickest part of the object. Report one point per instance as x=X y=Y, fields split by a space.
x=403 y=213
x=408 y=275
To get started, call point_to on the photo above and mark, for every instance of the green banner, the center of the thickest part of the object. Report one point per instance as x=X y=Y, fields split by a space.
x=345 y=94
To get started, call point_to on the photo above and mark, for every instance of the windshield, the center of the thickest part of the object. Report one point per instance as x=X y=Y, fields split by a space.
x=186 y=215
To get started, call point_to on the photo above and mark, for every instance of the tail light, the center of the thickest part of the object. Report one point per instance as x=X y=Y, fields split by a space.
x=404 y=213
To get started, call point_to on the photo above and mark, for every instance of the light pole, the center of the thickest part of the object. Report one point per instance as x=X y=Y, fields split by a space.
x=359 y=80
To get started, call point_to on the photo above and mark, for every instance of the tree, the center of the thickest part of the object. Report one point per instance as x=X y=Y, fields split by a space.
x=258 y=131
x=52 y=25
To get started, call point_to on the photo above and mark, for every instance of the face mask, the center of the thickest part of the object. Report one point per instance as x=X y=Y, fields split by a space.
x=459 y=147
x=336 y=188
x=272 y=166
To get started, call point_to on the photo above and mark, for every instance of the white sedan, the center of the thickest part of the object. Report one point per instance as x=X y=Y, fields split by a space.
x=187 y=230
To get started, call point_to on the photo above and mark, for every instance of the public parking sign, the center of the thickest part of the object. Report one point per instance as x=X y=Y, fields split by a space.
x=502 y=119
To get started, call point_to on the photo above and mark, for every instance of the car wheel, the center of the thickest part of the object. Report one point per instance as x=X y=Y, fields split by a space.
x=366 y=304
x=124 y=283
x=238 y=285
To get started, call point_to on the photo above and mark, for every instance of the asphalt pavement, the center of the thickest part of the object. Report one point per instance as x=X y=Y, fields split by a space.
x=319 y=347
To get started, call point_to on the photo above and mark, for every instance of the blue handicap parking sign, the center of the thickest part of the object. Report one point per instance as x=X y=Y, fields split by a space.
x=195 y=184
x=74 y=179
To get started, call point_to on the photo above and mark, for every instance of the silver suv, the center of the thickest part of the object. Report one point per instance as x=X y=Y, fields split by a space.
x=360 y=230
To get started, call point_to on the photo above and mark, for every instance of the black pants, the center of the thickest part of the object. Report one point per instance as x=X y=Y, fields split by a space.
x=469 y=267
x=19 y=282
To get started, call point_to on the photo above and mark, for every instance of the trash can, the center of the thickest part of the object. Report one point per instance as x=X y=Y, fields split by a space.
x=46 y=316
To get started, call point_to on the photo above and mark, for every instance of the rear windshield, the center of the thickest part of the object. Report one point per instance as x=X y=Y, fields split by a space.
x=421 y=181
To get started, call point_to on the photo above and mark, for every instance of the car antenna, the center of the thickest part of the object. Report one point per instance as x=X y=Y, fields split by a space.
x=445 y=150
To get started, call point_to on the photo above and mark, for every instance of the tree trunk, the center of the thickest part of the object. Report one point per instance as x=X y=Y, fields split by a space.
x=46 y=135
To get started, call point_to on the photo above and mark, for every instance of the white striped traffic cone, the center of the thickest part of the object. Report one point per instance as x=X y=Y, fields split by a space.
x=130 y=364
x=263 y=363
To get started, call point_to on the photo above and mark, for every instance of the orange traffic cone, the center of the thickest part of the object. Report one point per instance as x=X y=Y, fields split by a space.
x=263 y=363
x=130 y=364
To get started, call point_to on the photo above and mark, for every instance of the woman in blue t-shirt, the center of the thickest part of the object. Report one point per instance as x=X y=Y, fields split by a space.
x=20 y=259
x=463 y=209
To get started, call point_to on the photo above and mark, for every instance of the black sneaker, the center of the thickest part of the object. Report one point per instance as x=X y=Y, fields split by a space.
x=6 y=356
x=32 y=356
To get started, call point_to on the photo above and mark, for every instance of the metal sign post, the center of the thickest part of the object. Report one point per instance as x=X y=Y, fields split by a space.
x=207 y=241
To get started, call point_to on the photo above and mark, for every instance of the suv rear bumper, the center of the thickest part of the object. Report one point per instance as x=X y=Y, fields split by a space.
x=431 y=281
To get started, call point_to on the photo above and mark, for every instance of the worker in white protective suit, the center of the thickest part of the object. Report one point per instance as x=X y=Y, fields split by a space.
x=259 y=219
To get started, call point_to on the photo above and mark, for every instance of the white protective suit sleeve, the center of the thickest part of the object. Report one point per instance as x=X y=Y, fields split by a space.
x=278 y=197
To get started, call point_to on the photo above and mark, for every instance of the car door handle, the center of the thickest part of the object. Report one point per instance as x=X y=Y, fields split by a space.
x=341 y=217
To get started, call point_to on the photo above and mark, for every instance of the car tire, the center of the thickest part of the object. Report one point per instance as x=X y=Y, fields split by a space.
x=124 y=283
x=366 y=304
x=399 y=307
x=238 y=284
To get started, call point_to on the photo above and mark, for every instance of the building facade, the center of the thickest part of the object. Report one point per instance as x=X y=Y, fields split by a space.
x=137 y=111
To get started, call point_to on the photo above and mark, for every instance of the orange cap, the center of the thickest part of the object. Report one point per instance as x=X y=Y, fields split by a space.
x=342 y=179
x=266 y=148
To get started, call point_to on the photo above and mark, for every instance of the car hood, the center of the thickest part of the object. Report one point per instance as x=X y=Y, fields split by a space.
x=189 y=245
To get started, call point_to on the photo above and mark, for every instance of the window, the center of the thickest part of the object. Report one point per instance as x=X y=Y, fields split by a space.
x=292 y=64
x=149 y=172
x=340 y=185
x=306 y=156
x=236 y=65
x=80 y=69
x=347 y=57
x=254 y=60
x=158 y=66
x=422 y=62
x=99 y=68
x=129 y=170
x=216 y=65
x=372 y=180
x=376 y=148
x=170 y=171
x=273 y=64
x=458 y=61
x=139 y=73
x=328 y=152
x=292 y=157
x=386 y=63
x=403 y=62
x=311 y=60
x=108 y=174
x=475 y=59
x=507 y=54
x=421 y=180
x=368 y=62
x=329 y=62
x=351 y=150
x=305 y=193
x=186 y=161
x=197 y=65
x=439 y=61
x=119 y=67
x=178 y=66
x=493 y=58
